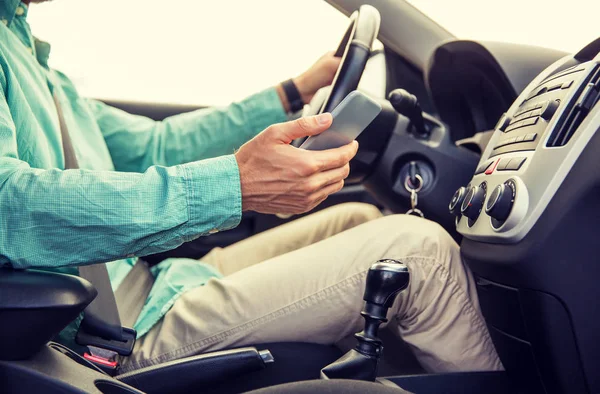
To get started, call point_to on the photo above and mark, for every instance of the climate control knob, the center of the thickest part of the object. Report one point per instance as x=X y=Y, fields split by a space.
x=501 y=202
x=473 y=202
x=457 y=200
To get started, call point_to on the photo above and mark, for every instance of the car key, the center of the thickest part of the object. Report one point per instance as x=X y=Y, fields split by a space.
x=414 y=197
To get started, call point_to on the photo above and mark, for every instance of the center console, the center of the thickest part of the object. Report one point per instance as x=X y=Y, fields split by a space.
x=530 y=220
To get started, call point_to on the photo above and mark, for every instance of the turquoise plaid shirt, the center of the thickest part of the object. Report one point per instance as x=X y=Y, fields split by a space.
x=143 y=187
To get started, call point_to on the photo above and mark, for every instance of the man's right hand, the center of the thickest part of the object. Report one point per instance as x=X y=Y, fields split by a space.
x=279 y=178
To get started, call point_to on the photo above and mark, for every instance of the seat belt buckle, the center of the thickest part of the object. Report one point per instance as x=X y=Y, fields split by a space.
x=104 y=352
x=106 y=360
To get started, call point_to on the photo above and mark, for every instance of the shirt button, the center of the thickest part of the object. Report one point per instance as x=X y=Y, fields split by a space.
x=20 y=11
x=213 y=231
x=5 y=21
x=30 y=50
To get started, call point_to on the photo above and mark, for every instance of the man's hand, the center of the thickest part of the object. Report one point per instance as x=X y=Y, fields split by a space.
x=279 y=178
x=317 y=76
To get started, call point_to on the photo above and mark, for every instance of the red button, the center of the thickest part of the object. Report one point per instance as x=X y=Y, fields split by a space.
x=492 y=167
x=100 y=360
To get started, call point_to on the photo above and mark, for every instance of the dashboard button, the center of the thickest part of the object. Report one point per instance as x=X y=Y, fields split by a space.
x=481 y=169
x=515 y=125
x=503 y=163
x=503 y=122
x=567 y=85
x=555 y=86
x=530 y=137
x=539 y=105
x=523 y=110
x=491 y=168
x=520 y=138
x=530 y=121
x=515 y=163
x=536 y=92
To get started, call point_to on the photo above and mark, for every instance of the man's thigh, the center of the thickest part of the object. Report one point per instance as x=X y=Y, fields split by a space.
x=313 y=294
x=291 y=236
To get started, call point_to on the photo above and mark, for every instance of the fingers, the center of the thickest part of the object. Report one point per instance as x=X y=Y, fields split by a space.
x=326 y=178
x=335 y=158
x=303 y=127
x=322 y=194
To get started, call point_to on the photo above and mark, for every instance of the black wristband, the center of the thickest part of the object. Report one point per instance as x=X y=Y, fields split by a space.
x=293 y=95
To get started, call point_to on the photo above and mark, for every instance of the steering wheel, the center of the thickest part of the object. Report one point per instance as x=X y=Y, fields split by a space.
x=355 y=50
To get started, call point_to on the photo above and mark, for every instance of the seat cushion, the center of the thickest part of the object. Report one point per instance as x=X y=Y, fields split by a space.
x=331 y=387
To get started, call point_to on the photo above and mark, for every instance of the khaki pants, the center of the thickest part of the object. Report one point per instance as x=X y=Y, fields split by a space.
x=304 y=281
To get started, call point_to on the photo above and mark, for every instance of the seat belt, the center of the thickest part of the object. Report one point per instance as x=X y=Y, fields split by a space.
x=101 y=329
x=133 y=292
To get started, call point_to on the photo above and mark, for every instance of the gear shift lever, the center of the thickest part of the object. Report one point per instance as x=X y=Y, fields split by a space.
x=385 y=280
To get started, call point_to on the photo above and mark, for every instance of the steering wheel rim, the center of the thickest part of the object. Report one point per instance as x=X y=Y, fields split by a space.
x=355 y=50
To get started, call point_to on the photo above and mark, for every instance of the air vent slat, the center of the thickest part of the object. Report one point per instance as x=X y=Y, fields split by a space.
x=577 y=112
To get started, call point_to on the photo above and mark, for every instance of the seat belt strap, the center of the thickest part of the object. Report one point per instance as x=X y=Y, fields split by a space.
x=133 y=292
x=101 y=317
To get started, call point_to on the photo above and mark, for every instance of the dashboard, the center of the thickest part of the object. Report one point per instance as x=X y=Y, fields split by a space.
x=533 y=148
x=529 y=221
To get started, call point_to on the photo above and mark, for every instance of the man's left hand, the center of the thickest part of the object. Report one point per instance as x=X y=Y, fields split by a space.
x=317 y=76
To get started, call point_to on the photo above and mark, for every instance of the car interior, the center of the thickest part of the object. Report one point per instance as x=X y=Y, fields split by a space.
x=496 y=140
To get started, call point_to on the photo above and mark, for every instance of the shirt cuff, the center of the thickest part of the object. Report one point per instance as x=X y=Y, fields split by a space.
x=214 y=195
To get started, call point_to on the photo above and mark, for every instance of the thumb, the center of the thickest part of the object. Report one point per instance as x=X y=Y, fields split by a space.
x=303 y=127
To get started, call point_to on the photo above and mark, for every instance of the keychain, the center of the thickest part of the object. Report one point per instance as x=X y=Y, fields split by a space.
x=414 y=198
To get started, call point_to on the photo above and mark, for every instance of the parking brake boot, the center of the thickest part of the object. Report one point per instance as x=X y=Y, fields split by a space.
x=385 y=280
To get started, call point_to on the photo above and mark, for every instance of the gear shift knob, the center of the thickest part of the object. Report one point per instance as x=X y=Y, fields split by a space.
x=385 y=279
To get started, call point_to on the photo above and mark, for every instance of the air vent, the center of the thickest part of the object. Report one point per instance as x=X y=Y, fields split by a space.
x=576 y=113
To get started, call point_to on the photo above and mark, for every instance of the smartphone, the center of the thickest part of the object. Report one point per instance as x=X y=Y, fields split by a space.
x=350 y=118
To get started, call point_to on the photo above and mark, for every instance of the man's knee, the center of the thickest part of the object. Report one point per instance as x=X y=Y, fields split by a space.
x=411 y=236
x=358 y=212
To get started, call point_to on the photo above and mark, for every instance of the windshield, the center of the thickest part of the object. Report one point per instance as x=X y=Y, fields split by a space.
x=564 y=25
x=190 y=52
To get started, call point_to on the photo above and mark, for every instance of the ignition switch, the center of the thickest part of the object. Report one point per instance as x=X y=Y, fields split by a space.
x=416 y=174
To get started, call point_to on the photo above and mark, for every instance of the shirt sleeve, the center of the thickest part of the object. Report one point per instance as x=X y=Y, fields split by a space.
x=137 y=142
x=56 y=218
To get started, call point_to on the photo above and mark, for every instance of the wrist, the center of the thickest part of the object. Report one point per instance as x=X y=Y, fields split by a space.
x=303 y=88
x=285 y=103
x=293 y=95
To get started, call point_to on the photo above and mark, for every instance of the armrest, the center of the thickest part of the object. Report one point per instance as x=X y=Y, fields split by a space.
x=35 y=306
x=197 y=371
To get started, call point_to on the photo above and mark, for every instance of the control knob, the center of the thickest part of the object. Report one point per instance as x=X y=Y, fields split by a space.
x=473 y=202
x=457 y=200
x=549 y=110
x=501 y=202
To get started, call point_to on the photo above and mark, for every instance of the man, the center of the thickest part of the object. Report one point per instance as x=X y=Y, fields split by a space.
x=176 y=180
